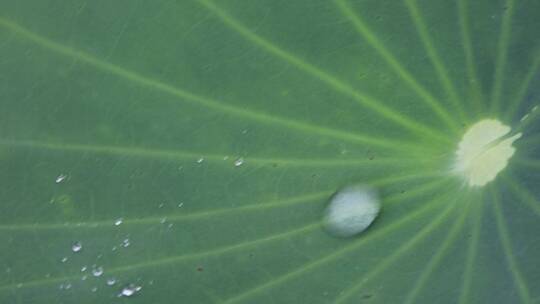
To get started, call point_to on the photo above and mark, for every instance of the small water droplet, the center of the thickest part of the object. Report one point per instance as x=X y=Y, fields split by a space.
x=114 y=248
x=180 y=205
x=125 y=243
x=239 y=161
x=200 y=160
x=111 y=281
x=67 y=286
x=161 y=205
x=76 y=247
x=20 y=285
x=60 y=178
x=64 y=259
x=84 y=277
x=130 y=290
x=118 y=221
x=163 y=220
x=170 y=225
x=245 y=131
x=94 y=289
x=97 y=271
x=83 y=269
x=351 y=210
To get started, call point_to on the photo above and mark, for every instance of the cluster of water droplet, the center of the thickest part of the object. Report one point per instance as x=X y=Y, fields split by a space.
x=98 y=271
x=128 y=289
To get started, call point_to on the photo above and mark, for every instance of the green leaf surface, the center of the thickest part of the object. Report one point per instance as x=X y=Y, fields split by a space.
x=191 y=147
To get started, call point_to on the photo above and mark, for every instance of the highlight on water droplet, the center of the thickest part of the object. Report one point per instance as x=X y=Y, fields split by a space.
x=118 y=221
x=351 y=210
x=200 y=160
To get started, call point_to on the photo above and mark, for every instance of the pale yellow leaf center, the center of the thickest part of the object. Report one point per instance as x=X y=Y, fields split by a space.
x=483 y=152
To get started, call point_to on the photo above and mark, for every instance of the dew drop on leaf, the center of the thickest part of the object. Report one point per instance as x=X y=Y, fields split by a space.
x=111 y=281
x=351 y=210
x=238 y=162
x=76 y=247
x=130 y=290
x=60 y=178
x=118 y=221
x=97 y=271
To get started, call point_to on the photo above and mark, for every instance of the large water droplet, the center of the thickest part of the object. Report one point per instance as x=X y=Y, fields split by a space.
x=351 y=210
